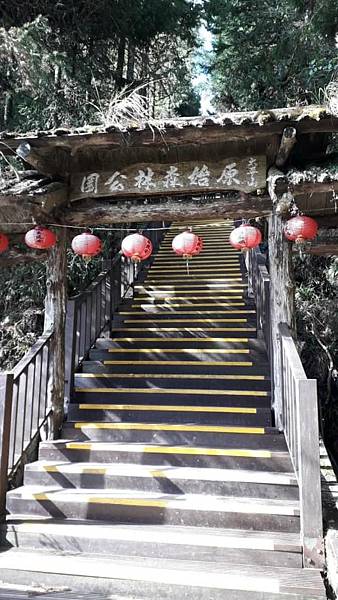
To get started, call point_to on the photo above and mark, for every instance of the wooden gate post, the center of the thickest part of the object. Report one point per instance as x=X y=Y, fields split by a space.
x=55 y=315
x=281 y=301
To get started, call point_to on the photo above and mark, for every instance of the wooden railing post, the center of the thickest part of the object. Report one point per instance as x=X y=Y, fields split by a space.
x=281 y=300
x=6 y=394
x=70 y=348
x=311 y=520
x=55 y=314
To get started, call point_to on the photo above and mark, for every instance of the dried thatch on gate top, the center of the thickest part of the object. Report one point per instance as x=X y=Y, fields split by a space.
x=259 y=118
x=64 y=157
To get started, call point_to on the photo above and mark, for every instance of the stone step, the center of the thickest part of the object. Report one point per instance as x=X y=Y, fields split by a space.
x=164 y=541
x=169 y=479
x=249 y=383
x=156 y=508
x=166 y=454
x=151 y=579
x=235 y=398
x=176 y=433
x=166 y=331
x=163 y=368
x=156 y=413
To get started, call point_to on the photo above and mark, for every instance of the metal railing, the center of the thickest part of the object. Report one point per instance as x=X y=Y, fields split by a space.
x=299 y=418
x=26 y=393
x=25 y=406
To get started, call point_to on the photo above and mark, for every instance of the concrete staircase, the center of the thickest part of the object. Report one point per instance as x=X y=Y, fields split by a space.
x=170 y=480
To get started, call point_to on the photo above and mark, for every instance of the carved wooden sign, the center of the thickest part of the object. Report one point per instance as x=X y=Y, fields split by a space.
x=244 y=174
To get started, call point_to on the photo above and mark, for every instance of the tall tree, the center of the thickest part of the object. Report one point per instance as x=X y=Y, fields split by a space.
x=271 y=53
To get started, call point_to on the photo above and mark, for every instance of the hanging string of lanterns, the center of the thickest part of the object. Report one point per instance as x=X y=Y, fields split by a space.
x=245 y=237
x=300 y=229
x=86 y=245
x=137 y=247
x=187 y=244
x=40 y=238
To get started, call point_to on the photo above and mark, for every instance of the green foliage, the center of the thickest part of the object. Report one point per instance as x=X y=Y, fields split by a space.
x=23 y=289
x=56 y=58
x=317 y=323
x=270 y=54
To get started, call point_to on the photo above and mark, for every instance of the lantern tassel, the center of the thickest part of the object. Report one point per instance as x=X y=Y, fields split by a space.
x=187 y=265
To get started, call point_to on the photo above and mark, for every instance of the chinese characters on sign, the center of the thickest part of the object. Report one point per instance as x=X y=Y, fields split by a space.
x=246 y=174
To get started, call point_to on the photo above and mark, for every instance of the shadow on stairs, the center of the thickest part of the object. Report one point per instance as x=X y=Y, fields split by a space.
x=170 y=480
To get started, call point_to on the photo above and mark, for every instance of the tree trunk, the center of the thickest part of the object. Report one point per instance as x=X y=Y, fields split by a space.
x=281 y=300
x=55 y=313
x=120 y=63
x=131 y=62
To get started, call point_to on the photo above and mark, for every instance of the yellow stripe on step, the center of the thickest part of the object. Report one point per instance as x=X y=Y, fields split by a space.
x=178 y=350
x=198 y=266
x=117 y=501
x=168 y=300
x=188 y=329
x=188 y=450
x=192 y=363
x=183 y=339
x=173 y=391
x=188 y=320
x=184 y=312
x=169 y=408
x=171 y=427
x=169 y=376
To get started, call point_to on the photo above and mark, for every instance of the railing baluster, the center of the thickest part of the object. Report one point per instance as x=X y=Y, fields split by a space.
x=6 y=395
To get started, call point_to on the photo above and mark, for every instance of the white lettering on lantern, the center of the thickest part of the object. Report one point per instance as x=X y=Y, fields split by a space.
x=252 y=172
x=229 y=175
x=200 y=176
x=144 y=179
x=113 y=182
x=89 y=183
x=171 y=179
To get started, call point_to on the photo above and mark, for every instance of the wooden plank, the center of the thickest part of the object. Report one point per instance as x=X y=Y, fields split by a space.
x=103 y=211
x=309 y=473
x=244 y=174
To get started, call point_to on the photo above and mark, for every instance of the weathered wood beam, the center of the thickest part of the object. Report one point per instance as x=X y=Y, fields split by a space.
x=282 y=309
x=289 y=139
x=246 y=174
x=27 y=153
x=315 y=187
x=325 y=243
x=101 y=211
x=15 y=257
x=55 y=314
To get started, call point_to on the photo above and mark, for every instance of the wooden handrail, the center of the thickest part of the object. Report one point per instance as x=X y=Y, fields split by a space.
x=300 y=425
x=299 y=414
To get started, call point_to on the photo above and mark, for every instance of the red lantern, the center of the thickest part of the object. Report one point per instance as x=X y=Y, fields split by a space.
x=187 y=244
x=4 y=243
x=245 y=237
x=86 y=245
x=40 y=238
x=137 y=247
x=299 y=229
